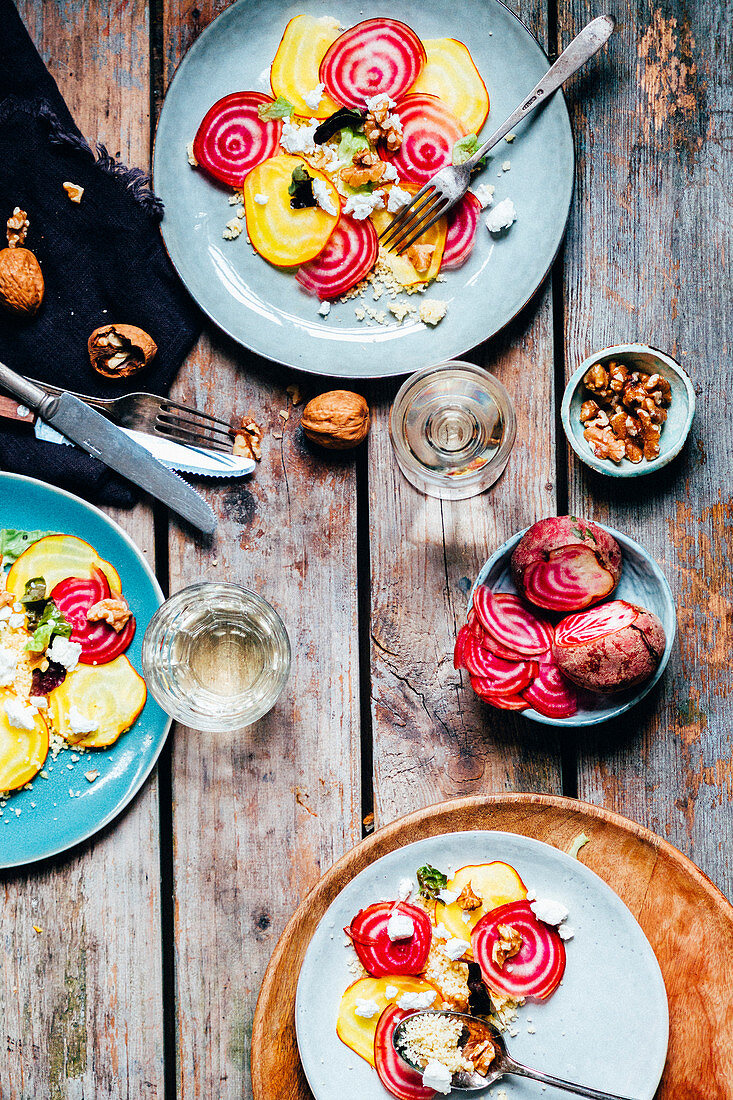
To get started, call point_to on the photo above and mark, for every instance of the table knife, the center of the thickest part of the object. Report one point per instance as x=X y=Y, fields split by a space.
x=102 y=439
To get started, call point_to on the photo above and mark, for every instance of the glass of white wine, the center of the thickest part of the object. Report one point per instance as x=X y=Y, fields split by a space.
x=216 y=656
x=452 y=429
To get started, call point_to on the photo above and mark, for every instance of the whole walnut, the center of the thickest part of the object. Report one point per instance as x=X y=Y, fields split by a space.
x=21 y=282
x=338 y=419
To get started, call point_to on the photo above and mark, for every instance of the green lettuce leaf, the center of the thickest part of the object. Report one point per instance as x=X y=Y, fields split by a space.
x=13 y=543
x=352 y=142
x=464 y=148
x=431 y=881
x=279 y=108
x=51 y=623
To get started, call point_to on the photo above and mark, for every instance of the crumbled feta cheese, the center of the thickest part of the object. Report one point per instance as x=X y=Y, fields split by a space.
x=447 y=896
x=506 y=166
x=418 y=1001
x=485 y=194
x=324 y=309
x=19 y=714
x=297 y=138
x=456 y=949
x=398 y=198
x=431 y=312
x=405 y=888
x=440 y=932
x=79 y=723
x=400 y=926
x=509 y=138
x=360 y=206
x=390 y=992
x=566 y=932
x=232 y=229
x=548 y=911
x=366 y=1008
x=40 y=702
x=63 y=652
x=261 y=200
x=379 y=101
x=324 y=198
x=390 y=173
x=437 y=1076
x=314 y=97
x=190 y=157
x=8 y=662
x=16 y=620
x=501 y=217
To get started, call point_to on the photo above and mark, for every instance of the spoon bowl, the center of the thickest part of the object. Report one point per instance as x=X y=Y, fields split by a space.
x=479 y=1029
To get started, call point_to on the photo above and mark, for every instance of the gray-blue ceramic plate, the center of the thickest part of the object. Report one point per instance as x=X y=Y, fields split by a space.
x=606 y=1025
x=264 y=308
x=675 y=430
x=65 y=809
x=642 y=582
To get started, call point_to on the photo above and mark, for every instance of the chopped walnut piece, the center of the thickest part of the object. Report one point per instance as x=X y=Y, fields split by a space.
x=604 y=443
x=381 y=126
x=508 y=944
x=18 y=226
x=630 y=408
x=420 y=256
x=588 y=410
x=617 y=375
x=367 y=167
x=596 y=379
x=467 y=899
x=248 y=440
x=7 y=599
x=481 y=1052
x=74 y=191
x=294 y=392
x=113 y=611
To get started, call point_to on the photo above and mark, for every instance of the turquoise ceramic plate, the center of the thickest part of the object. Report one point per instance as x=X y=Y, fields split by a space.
x=264 y=308
x=49 y=819
x=642 y=582
x=612 y=997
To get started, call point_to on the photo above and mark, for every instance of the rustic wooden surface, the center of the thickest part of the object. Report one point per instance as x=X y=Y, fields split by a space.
x=675 y=905
x=157 y=934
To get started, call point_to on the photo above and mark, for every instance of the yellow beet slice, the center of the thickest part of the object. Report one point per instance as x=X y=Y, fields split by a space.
x=55 y=558
x=495 y=883
x=400 y=266
x=283 y=236
x=22 y=752
x=111 y=695
x=294 y=71
x=451 y=75
x=358 y=1031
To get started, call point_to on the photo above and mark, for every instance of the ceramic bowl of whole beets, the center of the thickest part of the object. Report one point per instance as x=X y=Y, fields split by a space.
x=675 y=429
x=641 y=582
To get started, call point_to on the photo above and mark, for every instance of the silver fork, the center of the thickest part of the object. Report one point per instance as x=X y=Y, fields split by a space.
x=146 y=412
x=439 y=194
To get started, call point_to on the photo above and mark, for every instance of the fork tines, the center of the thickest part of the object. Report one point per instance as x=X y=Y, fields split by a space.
x=196 y=428
x=427 y=206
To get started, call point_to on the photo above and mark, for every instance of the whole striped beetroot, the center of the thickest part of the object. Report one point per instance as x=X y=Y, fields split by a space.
x=609 y=648
x=565 y=564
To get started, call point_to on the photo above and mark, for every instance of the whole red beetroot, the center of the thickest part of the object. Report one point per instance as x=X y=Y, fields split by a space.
x=609 y=648
x=564 y=563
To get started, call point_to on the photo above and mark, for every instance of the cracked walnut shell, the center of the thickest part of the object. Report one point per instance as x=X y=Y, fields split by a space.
x=117 y=351
x=338 y=419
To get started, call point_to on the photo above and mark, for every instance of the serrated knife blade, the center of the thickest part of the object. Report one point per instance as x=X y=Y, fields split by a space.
x=102 y=439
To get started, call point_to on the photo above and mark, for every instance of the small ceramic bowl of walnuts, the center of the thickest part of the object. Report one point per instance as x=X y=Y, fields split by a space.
x=627 y=410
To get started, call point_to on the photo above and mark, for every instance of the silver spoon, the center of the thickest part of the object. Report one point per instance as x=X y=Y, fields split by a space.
x=501 y=1064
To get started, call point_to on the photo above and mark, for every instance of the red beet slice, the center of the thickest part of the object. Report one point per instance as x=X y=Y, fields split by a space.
x=232 y=138
x=397 y=1077
x=378 y=954
x=550 y=693
x=351 y=252
x=458 y=650
x=507 y=620
x=429 y=132
x=564 y=563
x=461 y=236
x=495 y=675
x=100 y=643
x=377 y=56
x=490 y=643
x=609 y=648
x=504 y=702
x=536 y=970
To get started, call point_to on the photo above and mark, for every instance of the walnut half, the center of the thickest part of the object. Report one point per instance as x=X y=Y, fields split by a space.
x=113 y=610
x=117 y=351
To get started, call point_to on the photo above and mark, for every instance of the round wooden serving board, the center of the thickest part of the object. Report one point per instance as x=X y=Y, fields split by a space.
x=687 y=920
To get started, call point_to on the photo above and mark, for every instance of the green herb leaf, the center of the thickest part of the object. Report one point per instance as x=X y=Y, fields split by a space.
x=279 y=108
x=431 y=881
x=50 y=624
x=35 y=590
x=464 y=148
x=13 y=543
x=345 y=117
x=301 y=189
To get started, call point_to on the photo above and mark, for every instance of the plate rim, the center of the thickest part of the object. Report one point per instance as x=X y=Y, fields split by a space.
x=577 y=722
x=566 y=860
x=390 y=373
x=56 y=490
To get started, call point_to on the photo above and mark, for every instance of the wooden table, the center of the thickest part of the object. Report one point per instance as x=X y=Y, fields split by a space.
x=156 y=934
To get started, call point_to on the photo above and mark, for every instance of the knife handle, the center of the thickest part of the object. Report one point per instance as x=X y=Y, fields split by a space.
x=9 y=410
x=30 y=394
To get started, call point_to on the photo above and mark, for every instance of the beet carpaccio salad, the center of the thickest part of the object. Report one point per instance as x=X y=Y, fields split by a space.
x=477 y=942
x=356 y=122
x=64 y=678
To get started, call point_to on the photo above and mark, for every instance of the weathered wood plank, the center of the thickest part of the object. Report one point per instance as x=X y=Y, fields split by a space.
x=81 y=1003
x=260 y=814
x=649 y=259
x=433 y=739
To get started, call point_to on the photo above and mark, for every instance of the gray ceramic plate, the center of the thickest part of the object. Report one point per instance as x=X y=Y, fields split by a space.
x=606 y=1025
x=264 y=308
x=642 y=582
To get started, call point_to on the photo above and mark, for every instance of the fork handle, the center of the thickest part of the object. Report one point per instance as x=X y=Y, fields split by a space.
x=581 y=49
